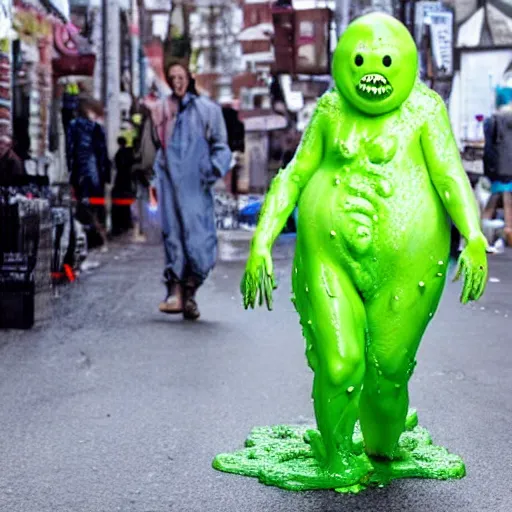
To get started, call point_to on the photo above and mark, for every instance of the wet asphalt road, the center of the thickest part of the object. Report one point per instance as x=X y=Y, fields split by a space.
x=109 y=406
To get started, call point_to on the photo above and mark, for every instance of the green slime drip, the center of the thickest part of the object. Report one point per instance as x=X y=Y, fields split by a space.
x=281 y=456
x=376 y=178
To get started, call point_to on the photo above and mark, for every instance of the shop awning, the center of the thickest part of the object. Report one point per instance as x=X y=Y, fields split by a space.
x=490 y=25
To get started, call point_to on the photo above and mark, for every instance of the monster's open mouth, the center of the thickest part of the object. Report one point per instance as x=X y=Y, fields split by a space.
x=374 y=87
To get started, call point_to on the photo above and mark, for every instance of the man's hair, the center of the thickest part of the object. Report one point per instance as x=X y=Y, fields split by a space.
x=87 y=104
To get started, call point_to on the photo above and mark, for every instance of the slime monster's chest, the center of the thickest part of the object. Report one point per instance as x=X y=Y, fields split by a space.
x=371 y=192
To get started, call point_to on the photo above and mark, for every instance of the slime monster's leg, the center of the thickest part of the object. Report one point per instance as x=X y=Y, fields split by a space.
x=396 y=319
x=333 y=318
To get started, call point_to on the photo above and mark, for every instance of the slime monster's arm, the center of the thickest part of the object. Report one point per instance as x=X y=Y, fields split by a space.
x=278 y=206
x=452 y=184
x=288 y=184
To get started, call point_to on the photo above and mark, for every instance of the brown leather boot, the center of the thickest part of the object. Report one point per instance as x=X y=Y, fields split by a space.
x=173 y=303
x=190 y=308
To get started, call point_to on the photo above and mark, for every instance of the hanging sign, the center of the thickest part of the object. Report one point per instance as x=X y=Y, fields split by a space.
x=312 y=30
x=301 y=40
x=441 y=36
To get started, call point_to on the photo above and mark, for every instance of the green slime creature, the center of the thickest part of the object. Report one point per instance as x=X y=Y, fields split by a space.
x=376 y=178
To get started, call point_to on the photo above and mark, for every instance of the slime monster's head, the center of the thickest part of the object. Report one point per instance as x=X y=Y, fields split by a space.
x=375 y=64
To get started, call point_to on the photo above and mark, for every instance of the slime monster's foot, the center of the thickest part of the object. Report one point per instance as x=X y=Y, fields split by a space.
x=314 y=439
x=287 y=457
x=350 y=468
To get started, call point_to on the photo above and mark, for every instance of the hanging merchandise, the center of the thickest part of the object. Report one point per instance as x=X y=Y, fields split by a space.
x=5 y=70
x=33 y=82
x=74 y=54
x=44 y=76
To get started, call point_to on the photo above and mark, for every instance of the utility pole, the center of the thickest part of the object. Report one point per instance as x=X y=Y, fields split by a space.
x=142 y=41
x=111 y=71
x=135 y=48
x=341 y=16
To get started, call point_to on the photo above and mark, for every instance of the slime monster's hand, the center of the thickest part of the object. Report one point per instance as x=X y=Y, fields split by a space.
x=258 y=279
x=473 y=263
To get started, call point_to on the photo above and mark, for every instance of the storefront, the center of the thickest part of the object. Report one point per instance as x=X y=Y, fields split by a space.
x=32 y=83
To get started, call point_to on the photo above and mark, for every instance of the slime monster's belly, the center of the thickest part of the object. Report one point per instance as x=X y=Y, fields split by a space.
x=375 y=222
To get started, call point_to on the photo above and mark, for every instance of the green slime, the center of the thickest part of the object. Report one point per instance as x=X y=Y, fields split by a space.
x=281 y=456
x=376 y=179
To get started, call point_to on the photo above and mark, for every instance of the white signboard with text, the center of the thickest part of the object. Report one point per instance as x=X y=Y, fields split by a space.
x=5 y=19
x=441 y=33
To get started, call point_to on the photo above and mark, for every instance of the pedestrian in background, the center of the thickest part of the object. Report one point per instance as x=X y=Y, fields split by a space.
x=146 y=145
x=193 y=156
x=89 y=168
x=11 y=166
x=123 y=190
x=498 y=168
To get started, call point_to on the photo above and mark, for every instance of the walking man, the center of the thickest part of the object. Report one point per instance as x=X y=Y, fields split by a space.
x=193 y=156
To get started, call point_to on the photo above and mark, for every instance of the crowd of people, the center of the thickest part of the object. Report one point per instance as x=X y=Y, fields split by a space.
x=172 y=153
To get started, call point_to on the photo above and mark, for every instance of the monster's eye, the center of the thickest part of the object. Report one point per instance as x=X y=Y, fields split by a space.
x=387 y=61
x=359 y=60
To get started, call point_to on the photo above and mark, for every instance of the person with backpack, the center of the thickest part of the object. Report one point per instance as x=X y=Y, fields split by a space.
x=146 y=145
x=498 y=166
x=194 y=154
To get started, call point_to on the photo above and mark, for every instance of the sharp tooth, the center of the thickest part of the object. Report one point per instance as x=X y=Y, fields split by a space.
x=374 y=90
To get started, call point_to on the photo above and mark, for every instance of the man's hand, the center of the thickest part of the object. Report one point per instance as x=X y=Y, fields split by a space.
x=473 y=264
x=258 y=280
